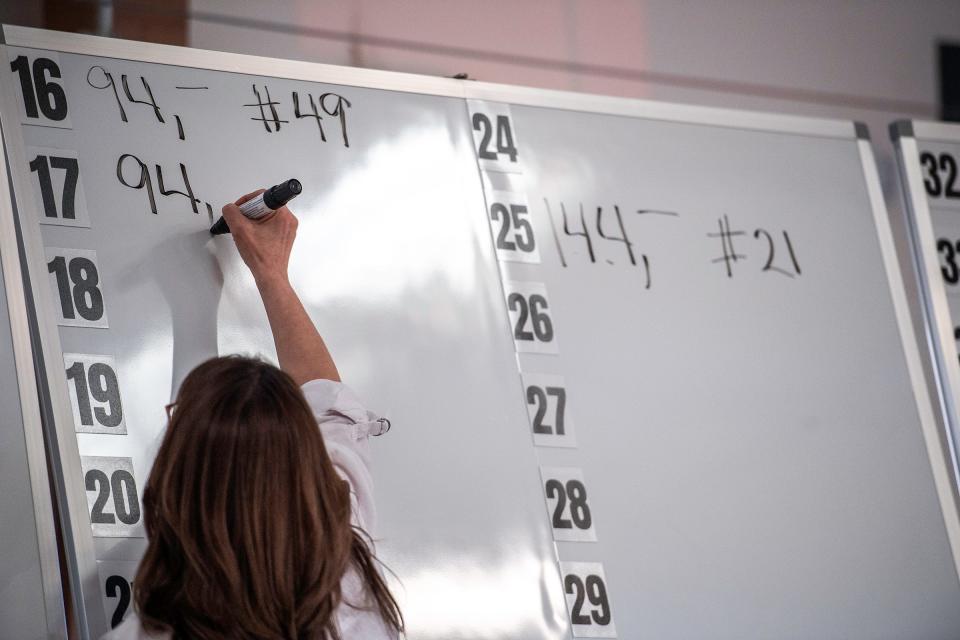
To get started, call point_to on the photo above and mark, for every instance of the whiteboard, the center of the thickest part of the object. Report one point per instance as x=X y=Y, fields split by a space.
x=31 y=601
x=392 y=261
x=927 y=156
x=725 y=466
x=720 y=306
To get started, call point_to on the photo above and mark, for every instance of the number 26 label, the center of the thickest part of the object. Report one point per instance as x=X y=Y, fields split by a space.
x=585 y=588
x=77 y=287
x=531 y=321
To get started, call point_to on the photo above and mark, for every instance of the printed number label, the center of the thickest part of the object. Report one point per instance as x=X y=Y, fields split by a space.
x=940 y=175
x=494 y=137
x=512 y=228
x=43 y=100
x=547 y=409
x=116 y=589
x=530 y=319
x=94 y=394
x=75 y=278
x=567 y=506
x=949 y=252
x=112 y=497
x=57 y=186
x=585 y=588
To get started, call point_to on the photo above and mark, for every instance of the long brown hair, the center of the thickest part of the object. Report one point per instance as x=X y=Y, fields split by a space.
x=248 y=521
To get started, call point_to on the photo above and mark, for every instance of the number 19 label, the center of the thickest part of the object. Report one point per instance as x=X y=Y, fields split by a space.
x=495 y=140
x=585 y=588
x=77 y=287
x=94 y=394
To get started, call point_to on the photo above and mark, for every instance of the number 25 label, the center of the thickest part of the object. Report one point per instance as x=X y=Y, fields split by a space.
x=495 y=140
x=530 y=317
x=585 y=588
x=77 y=287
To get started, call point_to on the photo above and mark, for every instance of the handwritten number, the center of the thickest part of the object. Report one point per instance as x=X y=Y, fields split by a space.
x=188 y=194
x=584 y=232
x=143 y=181
x=623 y=233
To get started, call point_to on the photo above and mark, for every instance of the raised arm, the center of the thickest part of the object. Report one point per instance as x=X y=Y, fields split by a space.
x=265 y=247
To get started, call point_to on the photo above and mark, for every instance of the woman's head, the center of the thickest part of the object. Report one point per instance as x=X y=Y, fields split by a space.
x=248 y=522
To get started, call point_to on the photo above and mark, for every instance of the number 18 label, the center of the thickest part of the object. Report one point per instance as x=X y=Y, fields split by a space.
x=77 y=287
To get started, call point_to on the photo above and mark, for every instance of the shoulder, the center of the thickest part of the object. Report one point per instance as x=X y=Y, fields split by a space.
x=131 y=629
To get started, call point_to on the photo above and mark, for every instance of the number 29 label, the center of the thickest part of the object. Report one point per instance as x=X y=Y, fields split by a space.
x=585 y=588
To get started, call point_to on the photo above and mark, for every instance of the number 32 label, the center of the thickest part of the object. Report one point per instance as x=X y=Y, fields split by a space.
x=585 y=588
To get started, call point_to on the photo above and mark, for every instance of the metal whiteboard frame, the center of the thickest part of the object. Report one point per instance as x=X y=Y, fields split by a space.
x=43 y=513
x=938 y=328
x=925 y=397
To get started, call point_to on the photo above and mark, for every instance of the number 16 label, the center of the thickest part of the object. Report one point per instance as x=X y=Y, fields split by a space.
x=585 y=588
x=76 y=283
x=530 y=319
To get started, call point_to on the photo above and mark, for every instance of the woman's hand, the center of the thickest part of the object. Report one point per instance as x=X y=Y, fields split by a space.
x=263 y=244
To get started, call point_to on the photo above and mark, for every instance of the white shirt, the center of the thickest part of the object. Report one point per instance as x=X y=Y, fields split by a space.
x=346 y=426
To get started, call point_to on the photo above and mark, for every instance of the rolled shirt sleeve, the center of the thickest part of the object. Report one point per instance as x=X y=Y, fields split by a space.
x=346 y=426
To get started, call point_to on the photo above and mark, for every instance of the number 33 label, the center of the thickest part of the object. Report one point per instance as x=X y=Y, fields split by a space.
x=585 y=587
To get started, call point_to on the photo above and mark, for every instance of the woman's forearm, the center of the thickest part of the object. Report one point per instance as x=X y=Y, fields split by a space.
x=300 y=348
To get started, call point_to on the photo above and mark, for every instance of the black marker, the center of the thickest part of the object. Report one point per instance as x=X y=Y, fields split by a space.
x=263 y=204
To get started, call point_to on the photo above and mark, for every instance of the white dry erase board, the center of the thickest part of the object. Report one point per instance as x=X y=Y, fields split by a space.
x=622 y=344
x=31 y=600
x=928 y=155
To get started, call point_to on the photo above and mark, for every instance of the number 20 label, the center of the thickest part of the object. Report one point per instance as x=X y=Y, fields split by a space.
x=94 y=394
x=112 y=497
x=77 y=287
x=585 y=588
x=531 y=321
x=494 y=138
x=116 y=589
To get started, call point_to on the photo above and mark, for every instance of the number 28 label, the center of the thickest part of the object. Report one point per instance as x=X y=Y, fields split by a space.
x=494 y=138
x=77 y=287
x=531 y=321
x=585 y=588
